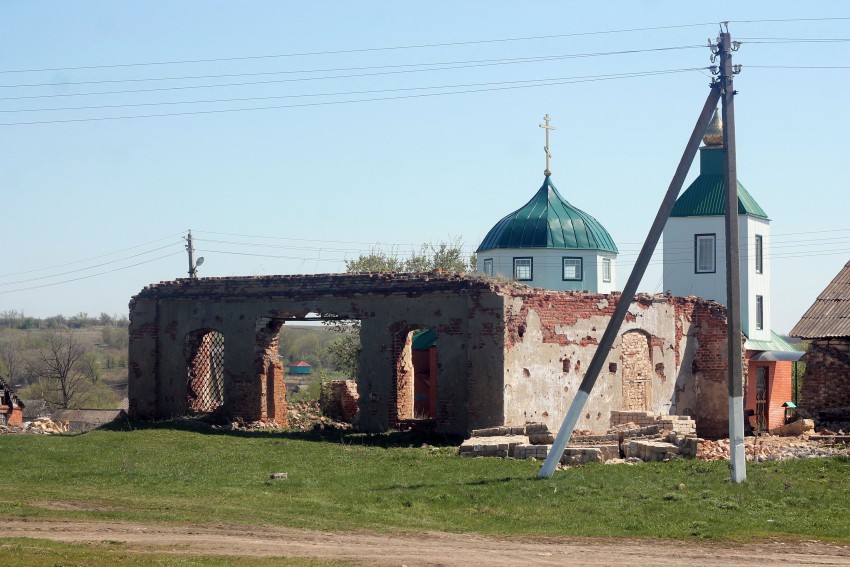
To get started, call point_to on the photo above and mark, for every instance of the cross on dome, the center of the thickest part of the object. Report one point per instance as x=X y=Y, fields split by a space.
x=547 y=172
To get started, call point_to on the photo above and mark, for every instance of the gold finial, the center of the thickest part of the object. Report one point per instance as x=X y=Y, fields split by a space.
x=546 y=127
x=713 y=136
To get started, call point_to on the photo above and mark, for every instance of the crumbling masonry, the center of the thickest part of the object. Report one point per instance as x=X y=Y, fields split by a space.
x=505 y=354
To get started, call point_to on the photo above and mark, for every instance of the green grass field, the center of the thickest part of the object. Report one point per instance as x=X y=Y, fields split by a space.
x=393 y=482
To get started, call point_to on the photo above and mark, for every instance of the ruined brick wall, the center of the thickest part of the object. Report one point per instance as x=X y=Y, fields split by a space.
x=666 y=346
x=339 y=400
x=826 y=383
x=456 y=307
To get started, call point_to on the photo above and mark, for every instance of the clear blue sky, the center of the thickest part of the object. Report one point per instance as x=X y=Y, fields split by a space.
x=317 y=179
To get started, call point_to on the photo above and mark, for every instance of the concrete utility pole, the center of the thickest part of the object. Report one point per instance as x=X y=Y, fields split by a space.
x=190 y=248
x=625 y=300
x=737 y=458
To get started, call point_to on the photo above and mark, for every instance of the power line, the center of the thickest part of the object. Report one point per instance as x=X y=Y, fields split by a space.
x=405 y=66
x=359 y=50
x=375 y=99
x=90 y=258
x=309 y=95
x=90 y=275
x=88 y=267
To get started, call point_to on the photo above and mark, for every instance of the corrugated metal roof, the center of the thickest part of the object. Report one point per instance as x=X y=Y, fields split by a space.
x=775 y=344
x=829 y=315
x=548 y=221
x=424 y=339
x=706 y=196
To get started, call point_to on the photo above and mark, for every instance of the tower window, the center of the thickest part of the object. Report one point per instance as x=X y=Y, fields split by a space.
x=572 y=269
x=488 y=267
x=606 y=269
x=759 y=255
x=704 y=253
x=759 y=312
x=523 y=269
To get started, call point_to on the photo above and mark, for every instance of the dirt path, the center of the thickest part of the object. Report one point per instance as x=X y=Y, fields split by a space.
x=426 y=548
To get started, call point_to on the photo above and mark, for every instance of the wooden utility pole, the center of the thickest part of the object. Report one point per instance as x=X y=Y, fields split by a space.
x=737 y=458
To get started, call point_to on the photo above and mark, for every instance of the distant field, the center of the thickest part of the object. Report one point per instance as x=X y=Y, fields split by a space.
x=394 y=483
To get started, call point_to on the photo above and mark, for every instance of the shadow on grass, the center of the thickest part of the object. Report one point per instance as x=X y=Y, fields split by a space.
x=324 y=435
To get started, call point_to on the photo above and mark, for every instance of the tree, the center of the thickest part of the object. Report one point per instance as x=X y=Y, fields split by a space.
x=445 y=256
x=57 y=369
x=11 y=359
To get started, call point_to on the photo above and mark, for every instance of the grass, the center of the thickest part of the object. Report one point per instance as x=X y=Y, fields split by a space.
x=26 y=552
x=392 y=483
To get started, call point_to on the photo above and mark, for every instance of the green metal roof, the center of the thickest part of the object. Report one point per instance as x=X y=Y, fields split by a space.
x=548 y=221
x=775 y=344
x=706 y=196
x=423 y=339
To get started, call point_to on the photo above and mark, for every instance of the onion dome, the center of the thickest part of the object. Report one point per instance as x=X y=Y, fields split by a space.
x=548 y=221
x=714 y=132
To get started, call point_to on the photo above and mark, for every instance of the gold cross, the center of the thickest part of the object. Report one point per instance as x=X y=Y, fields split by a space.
x=546 y=127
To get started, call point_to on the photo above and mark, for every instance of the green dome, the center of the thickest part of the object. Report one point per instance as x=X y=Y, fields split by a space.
x=548 y=221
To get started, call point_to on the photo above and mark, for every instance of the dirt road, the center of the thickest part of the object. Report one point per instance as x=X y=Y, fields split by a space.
x=426 y=549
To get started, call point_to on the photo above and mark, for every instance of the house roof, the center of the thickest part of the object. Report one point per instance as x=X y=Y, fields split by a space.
x=706 y=196
x=548 y=221
x=829 y=315
x=300 y=363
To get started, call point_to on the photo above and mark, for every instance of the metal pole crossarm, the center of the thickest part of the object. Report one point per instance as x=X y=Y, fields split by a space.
x=625 y=300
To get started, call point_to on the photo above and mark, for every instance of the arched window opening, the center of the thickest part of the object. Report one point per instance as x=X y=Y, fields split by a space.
x=205 y=366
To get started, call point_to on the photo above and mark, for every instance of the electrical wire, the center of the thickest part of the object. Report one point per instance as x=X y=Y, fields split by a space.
x=360 y=50
x=451 y=65
x=88 y=276
x=375 y=99
x=90 y=258
x=310 y=95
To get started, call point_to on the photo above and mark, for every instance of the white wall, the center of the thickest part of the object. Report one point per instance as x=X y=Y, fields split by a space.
x=547 y=263
x=680 y=277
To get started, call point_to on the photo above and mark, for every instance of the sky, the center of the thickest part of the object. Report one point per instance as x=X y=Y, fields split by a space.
x=290 y=136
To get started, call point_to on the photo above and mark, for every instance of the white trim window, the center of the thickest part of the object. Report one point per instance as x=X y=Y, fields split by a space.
x=606 y=270
x=759 y=254
x=759 y=312
x=488 y=267
x=523 y=269
x=571 y=269
x=705 y=250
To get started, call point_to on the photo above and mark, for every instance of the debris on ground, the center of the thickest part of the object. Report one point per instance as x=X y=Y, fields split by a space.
x=645 y=436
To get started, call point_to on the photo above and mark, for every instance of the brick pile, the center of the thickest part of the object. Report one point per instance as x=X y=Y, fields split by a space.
x=681 y=424
x=339 y=400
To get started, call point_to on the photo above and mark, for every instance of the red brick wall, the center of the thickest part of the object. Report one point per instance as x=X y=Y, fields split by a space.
x=826 y=383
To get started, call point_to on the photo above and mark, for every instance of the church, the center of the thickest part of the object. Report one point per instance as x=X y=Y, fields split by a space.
x=549 y=243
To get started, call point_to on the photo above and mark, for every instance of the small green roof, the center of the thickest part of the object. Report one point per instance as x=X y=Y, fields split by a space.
x=706 y=196
x=775 y=344
x=548 y=221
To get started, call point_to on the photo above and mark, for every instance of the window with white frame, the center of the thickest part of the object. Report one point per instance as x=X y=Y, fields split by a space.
x=523 y=269
x=759 y=312
x=705 y=253
x=759 y=255
x=606 y=269
x=488 y=267
x=571 y=269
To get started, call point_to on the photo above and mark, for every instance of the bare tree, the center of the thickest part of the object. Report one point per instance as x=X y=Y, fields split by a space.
x=56 y=368
x=11 y=359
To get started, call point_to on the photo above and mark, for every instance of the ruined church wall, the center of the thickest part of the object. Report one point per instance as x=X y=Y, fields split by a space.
x=551 y=338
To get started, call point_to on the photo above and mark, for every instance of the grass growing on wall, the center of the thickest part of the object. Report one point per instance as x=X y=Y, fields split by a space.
x=392 y=482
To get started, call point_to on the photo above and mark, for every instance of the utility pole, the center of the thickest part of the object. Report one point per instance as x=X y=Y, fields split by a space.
x=190 y=248
x=737 y=458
